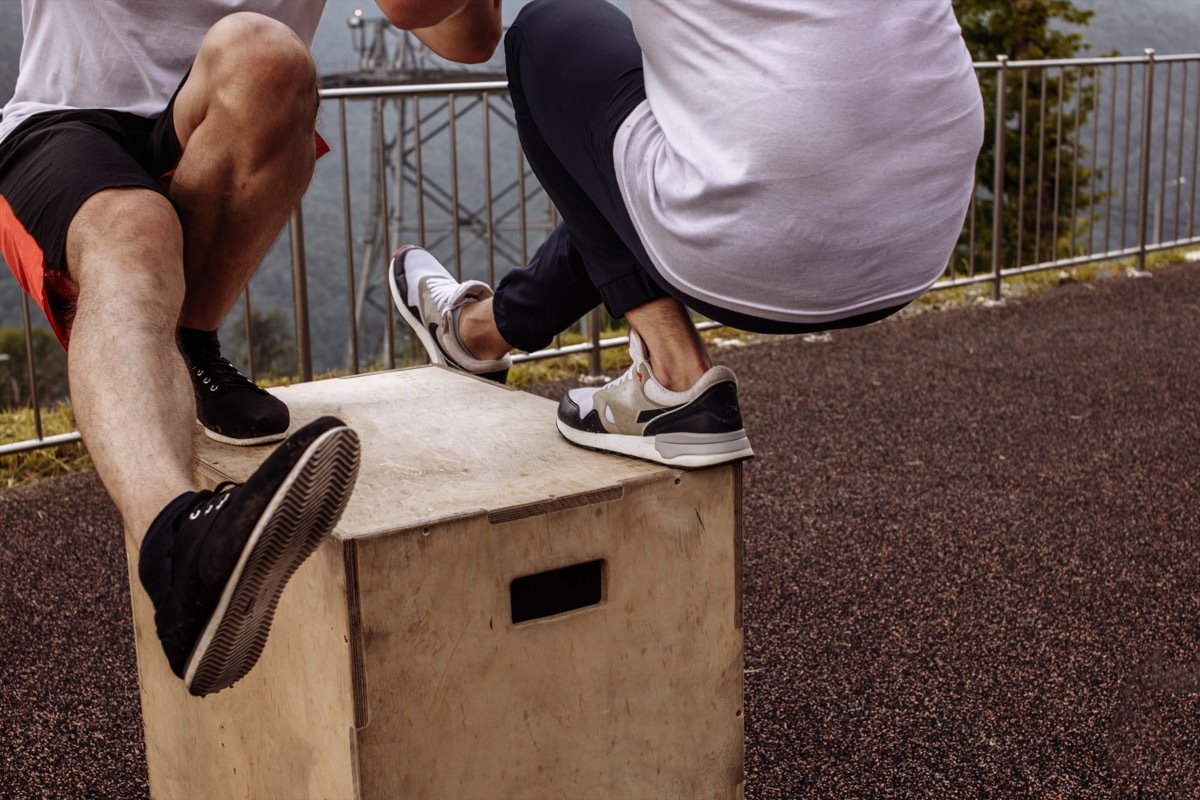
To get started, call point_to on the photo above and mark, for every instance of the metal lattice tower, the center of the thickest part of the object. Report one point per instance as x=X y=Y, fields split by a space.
x=477 y=212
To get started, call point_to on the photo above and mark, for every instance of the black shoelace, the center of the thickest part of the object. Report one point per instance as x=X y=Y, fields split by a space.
x=214 y=373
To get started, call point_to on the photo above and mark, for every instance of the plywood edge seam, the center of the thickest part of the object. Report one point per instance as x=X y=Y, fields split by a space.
x=565 y=503
x=358 y=670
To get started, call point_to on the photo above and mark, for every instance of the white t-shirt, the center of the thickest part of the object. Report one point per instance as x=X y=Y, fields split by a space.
x=801 y=160
x=123 y=55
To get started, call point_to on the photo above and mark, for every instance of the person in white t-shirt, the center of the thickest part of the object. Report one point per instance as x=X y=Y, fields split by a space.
x=779 y=166
x=151 y=153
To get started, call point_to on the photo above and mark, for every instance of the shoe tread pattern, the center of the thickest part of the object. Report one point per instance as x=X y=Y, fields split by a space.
x=306 y=513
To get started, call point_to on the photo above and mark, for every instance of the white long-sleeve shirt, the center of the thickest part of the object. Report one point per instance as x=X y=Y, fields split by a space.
x=801 y=160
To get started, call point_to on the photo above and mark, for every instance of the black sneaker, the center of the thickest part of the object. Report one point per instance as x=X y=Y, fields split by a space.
x=215 y=563
x=637 y=416
x=429 y=299
x=229 y=405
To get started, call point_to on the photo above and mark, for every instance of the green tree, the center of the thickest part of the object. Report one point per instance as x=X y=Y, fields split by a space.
x=50 y=363
x=1045 y=110
x=1024 y=30
x=274 y=348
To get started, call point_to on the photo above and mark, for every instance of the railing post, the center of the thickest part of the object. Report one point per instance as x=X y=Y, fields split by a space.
x=1144 y=177
x=998 y=178
x=348 y=233
x=378 y=120
x=595 y=320
x=300 y=296
x=30 y=370
x=249 y=331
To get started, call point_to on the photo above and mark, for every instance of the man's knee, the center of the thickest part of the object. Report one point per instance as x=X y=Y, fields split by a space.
x=533 y=21
x=132 y=237
x=570 y=40
x=529 y=21
x=539 y=12
x=281 y=71
x=540 y=18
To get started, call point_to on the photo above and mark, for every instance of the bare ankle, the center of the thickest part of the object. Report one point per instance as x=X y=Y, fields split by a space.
x=478 y=334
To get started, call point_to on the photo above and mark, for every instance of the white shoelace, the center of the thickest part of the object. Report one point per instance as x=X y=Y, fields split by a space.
x=446 y=292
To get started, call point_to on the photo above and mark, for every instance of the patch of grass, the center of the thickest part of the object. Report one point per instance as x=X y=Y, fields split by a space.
x=1035 y=282
x=549 y=370
x=613 y=360
x=47 y=462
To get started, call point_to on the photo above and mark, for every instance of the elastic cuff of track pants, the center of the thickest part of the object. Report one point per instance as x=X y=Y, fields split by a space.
x=619 y=296
x=630 y=291
x=519 y=330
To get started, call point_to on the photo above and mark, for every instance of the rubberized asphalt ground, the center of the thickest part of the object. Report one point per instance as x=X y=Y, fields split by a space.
x=971 y=565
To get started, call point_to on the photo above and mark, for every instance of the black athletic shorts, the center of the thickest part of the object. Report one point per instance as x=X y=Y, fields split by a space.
x=49 y=166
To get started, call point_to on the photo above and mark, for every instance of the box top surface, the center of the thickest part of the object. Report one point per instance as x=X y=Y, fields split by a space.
x=439 y=445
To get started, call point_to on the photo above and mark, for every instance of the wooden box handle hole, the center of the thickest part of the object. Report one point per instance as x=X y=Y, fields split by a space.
x=557 y=591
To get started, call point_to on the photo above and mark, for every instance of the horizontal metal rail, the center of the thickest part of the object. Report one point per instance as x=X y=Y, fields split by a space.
x=1089 y=161
x=36 y=444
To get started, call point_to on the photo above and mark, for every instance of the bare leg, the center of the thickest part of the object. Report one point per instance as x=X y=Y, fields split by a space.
x=245 y=119
x=674 y=349
x=478 y=332
x=131 y=394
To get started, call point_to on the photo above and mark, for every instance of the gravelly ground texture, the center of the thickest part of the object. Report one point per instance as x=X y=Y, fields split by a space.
x=971 y=566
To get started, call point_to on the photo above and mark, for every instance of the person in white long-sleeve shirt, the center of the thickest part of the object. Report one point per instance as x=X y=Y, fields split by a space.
x=780 y=166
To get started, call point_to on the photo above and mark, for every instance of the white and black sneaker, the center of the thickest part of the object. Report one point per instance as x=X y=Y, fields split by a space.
x=231 y=408
x=637 y=416
x=429 y=299
x=215 y=563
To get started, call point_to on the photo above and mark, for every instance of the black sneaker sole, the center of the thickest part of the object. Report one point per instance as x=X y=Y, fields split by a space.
x=411 y=314
x=220 y=437
x=683 y=450
x=303 y=511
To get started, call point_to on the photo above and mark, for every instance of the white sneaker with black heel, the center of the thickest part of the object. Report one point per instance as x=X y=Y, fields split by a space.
x=637 y=416
x=430 y=299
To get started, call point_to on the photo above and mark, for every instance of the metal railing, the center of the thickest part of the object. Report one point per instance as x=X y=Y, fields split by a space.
x=1086 y=161
x=1106 y=167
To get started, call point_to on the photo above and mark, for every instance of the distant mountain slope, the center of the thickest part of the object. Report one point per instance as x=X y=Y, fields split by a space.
x=1169 y=26
x=10 y=46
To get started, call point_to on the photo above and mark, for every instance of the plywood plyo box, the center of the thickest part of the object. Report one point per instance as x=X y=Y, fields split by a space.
x=500 y=614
